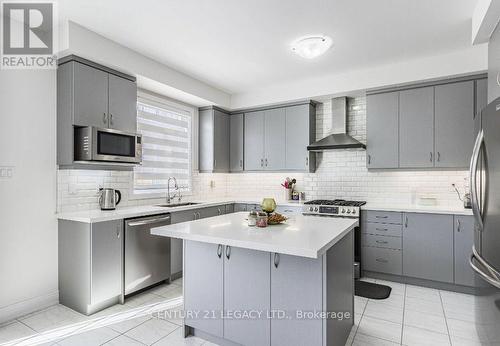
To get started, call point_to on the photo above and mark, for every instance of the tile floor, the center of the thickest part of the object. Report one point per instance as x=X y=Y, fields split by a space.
x=411 y=316
x=415 y=315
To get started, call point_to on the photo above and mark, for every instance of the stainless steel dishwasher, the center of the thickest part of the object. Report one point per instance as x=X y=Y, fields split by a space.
x=147 y=256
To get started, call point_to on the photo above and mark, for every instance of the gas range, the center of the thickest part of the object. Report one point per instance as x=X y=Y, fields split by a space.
x=336 y=207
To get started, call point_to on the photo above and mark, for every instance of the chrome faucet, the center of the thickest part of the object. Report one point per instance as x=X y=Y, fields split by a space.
x=176 y=194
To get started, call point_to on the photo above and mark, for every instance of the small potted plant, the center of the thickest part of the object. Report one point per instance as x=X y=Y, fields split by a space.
x=289 y=185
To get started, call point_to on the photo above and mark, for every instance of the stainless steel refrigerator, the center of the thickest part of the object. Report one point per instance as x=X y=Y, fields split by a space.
x=485 y=195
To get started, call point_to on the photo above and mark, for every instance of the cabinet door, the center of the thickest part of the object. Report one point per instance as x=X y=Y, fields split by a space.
x=236 y=143
x=106 y=260
x=275 y=142
x=286 y=287
x=416 y=128
x=122 y=104
x=494 y=66
x=464 y=239
x=206 y=140
x=297 y=137
x=221 y=142
x=254 y=141
x=428 y=246
x=90 y=104
x=211 y=211
x=246 y=288
x=240 y=207
x=382 y=130
x=454 y=134
x=203 y=286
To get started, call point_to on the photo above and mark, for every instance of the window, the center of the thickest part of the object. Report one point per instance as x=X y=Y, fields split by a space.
x=166 y=146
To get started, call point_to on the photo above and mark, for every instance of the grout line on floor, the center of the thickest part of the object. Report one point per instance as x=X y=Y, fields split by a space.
x=445 y=319
x=404 y=313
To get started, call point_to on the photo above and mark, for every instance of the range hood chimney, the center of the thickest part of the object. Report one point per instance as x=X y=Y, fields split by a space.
x=339 y=139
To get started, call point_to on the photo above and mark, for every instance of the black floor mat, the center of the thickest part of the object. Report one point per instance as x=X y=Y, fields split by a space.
x=371 y=290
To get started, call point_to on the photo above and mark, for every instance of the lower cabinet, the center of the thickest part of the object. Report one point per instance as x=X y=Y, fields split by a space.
x=246 y=288
x=203 y=283
x=90 y=264
x=293 y=277
x=428 y=246
x=464 y=239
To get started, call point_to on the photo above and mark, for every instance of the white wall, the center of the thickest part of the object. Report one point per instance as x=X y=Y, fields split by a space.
x=28 y=228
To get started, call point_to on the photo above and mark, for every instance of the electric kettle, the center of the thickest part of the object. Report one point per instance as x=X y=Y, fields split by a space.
x=109 y=198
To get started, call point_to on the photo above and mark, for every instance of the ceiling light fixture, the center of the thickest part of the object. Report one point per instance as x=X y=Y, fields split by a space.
x=310 y=47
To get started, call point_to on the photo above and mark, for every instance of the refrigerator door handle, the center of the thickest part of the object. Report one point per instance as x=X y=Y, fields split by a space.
x=472 y=172
x=492 y=276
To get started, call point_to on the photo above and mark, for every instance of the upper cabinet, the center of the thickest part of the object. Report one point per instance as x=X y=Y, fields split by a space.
x=214 y=126
x=416 y=125
x=236 y=136
x=89 y=94
x=277 y=139
x=382 y=130
x=429 y=126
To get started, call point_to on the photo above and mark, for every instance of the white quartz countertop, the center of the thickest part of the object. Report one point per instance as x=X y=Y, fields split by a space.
x=437 y=209
x=305 y=236
x=97 y=215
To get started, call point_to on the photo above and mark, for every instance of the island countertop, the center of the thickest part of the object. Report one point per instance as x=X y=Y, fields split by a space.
x=300 y=235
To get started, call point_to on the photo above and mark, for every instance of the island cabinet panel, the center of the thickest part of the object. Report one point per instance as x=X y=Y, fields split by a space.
x=296 y=286
x=203 y=286
x=246 y=288
x=428 y=246
x=416 y=128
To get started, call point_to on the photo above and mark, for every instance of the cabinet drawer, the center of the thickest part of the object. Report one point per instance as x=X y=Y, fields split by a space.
x=381 y=260
x=384 y=216
x=387 y=229
x=381 y=241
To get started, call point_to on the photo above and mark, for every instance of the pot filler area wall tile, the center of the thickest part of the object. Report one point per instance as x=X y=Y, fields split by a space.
x=339 y=174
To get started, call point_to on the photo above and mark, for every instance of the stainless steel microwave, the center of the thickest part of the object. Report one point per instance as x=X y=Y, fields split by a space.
x=97 y=144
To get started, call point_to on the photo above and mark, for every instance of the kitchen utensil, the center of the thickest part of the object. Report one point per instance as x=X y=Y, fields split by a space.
x=109 y=198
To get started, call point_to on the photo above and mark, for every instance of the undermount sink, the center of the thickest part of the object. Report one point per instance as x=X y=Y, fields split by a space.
x=173 y=205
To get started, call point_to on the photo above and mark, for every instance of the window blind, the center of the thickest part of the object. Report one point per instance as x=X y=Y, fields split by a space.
x=166 y=147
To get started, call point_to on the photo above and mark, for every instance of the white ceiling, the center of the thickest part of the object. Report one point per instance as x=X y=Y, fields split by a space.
x=239 y=46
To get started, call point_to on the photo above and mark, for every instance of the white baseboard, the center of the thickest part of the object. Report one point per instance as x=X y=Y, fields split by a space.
x=13 y=311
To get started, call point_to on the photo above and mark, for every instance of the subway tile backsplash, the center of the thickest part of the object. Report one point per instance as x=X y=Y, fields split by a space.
x=339 y=174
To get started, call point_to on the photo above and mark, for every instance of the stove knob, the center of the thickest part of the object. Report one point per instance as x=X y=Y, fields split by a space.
x=354 y=211
x=316 y=209
x=343 y=211
x=348 y=211
x=311 y=208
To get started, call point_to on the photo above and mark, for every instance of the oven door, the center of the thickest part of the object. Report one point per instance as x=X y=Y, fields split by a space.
x=116 y=146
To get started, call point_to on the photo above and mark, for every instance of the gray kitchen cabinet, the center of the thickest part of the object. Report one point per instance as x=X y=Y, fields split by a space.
x=90 y=261
x=107 y=244
x=254 y=141
x=229 y=208
x=300 y=129
x=416 y=128
x=481 y=95
x=236 y=135
x=494 y=65
x=464 y=240
x=246 y=288
x=213 y=140
x=382 y=130
x=122 y=104
x=203 y=286
x=454 y=124
x=240 y=207
x=428 y=246
x=285 y=288
x=90 y=95
x=211 y=211
x=274 y=139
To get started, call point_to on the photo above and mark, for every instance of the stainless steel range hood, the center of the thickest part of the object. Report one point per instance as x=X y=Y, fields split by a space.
x=339 y=139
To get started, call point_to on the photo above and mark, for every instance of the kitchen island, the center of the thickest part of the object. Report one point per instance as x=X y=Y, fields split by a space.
x=289 y=284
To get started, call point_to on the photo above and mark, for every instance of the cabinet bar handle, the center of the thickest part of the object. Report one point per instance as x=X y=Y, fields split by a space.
x=406 y=221
x=381 y=217
x=219 y=251
x=307 y=161
x=458 y=225
x=431 y=156
x=199 y=215
x=262 y=162
x=381 y=242
x=194 y=216
x=369 y=159
x=381 y=260
x=104 y=118
x=228 y=252
x=241 y=163
x=439 y=156
x=111 y=119
x=266 y=162
x=276 y=259
x=219 y=211
x=118 y=232
x=381 y=229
